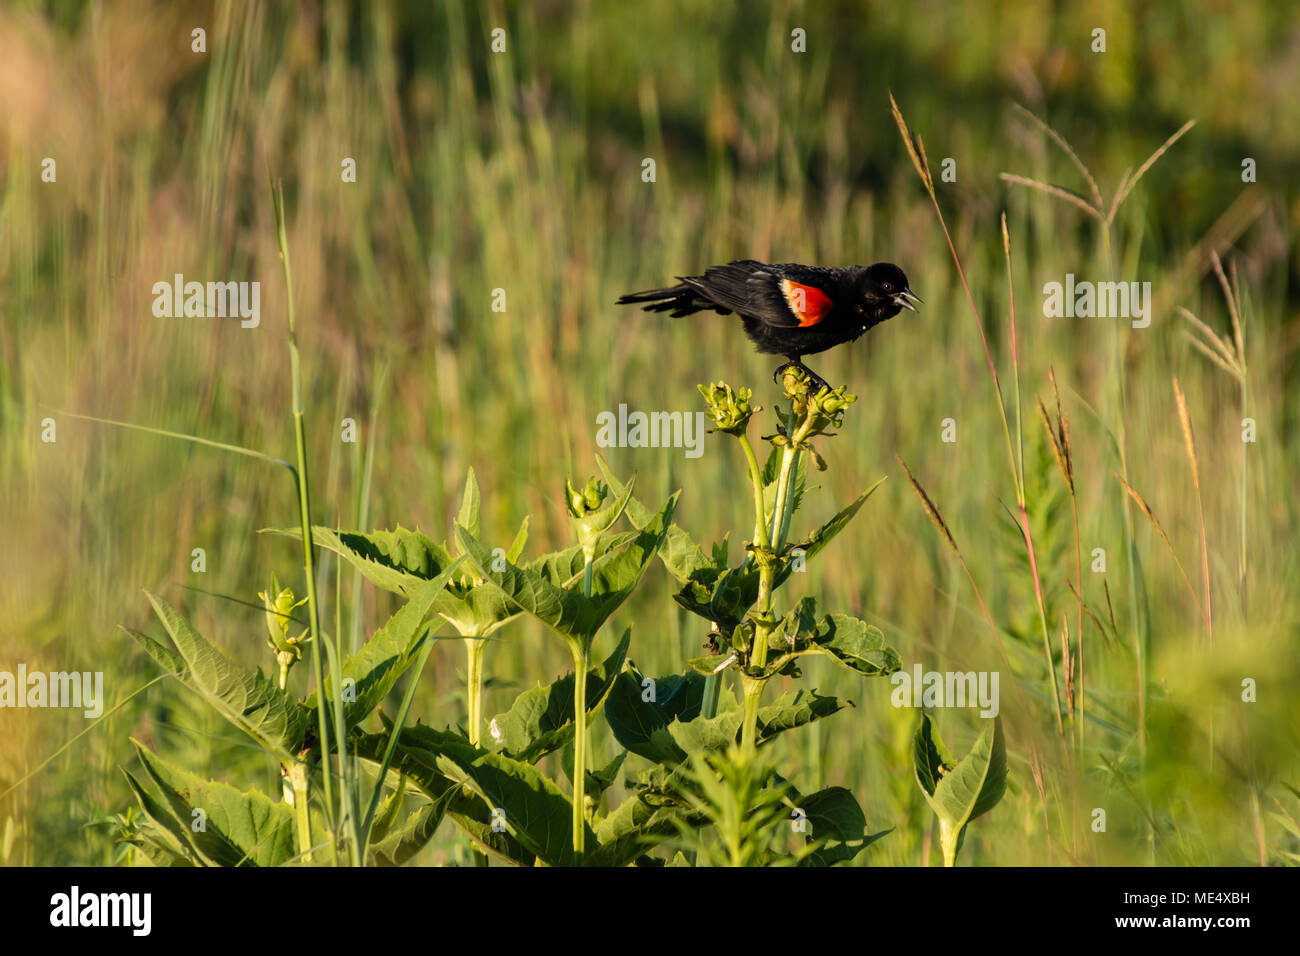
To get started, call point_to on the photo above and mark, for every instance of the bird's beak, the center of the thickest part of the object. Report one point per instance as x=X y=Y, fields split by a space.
x=905 y=299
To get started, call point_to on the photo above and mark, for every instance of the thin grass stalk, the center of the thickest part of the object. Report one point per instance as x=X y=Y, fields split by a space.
x=302 y=479
x=1018 y=467
x=391 y=747
x=1189 y=441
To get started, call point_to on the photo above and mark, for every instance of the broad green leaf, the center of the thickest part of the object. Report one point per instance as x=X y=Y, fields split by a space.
x=598 y=781
x=575 y=617
x=565 y=611
x=418 y=751
x=837 y=827
x=168 y=831
x=565 y=568
x=392 y=560
x=715 y=733
x=654 y=813
x=707 y=666
x=639 y=712
x=404 y=842
x=931 y=759
x=541 y=719
x=614 y=579
x=415 y=758
x=248 y=700
x=795 y=709
x=853 y=643
x=535 y=811
x=959 y=793
x=167 y=659
x=680 y=554
x=476 y=611
x=378 y=664
x=857 y=645
x=387 y=811
x=240 y=829
x=631 y=830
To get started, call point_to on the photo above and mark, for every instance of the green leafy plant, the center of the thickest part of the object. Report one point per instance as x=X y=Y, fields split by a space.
x=699 y=742
x=958 y=791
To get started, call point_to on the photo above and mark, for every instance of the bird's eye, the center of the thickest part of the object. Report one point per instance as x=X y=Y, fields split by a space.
x=887 y=287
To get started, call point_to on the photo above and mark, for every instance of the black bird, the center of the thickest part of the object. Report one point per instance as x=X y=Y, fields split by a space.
x=790 y=309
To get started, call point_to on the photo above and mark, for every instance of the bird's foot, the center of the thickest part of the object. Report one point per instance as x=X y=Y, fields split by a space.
x=815 y=382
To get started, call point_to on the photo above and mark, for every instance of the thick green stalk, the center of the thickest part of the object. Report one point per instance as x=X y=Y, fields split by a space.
x=301 y=811
x=711 y=683
x=756 y=481
x=474 y=690
x=579 y=751
x=581 y=655
x=781 y=513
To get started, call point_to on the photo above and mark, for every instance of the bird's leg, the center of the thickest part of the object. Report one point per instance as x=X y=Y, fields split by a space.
x=815 y=382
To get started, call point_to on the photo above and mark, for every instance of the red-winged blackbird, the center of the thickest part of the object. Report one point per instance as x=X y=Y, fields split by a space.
x=789 y=309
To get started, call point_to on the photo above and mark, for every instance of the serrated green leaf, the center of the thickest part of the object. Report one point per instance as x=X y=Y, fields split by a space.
x=568 y=612
x=240 y=829
x=536 y=811
x=855 y=644
x=795 y=709
x=166 y=658
x=248 y=700
x=404 y=842
x=965 y=791
x=680 y=554
x=541 y=719
x=418 y=751
x=378 y=663
x=837 y=827
x=393 y=560
x=564 y=611
x=641 y=725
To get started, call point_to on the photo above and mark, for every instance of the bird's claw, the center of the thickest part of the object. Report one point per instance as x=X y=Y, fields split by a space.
x=815 y=382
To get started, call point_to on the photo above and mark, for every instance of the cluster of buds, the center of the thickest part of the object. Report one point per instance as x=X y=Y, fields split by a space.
x=826 y=409
x=590 y=515
x=816 y=413
x=730 y=410
x=279 y=604
x=586 y=501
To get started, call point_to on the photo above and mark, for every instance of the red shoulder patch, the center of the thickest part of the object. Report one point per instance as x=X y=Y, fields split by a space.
x=809 y=303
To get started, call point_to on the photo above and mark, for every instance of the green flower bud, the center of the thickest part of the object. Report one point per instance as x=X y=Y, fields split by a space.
x=279 y=604
x=583 y=503
x=729 y=409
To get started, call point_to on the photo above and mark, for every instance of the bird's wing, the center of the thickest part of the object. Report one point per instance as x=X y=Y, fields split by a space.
x=763 y=292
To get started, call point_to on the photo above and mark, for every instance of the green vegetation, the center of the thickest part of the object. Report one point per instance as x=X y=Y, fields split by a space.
x=1101 y=532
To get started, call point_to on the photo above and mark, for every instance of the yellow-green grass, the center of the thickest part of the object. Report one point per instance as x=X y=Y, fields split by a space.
x=522 y=171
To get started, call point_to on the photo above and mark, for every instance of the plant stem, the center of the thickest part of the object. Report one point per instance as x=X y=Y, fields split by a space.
x=581 y=654
x=474 y=689
x=301 y=812
x=579 y=751
x=756 y=481
x=781 y=513
x=302 y=480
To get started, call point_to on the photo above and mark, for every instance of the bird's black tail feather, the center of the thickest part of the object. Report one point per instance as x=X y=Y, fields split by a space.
x=680 y=300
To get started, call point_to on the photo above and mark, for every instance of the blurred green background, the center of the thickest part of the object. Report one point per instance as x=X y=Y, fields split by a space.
x=522 y=171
